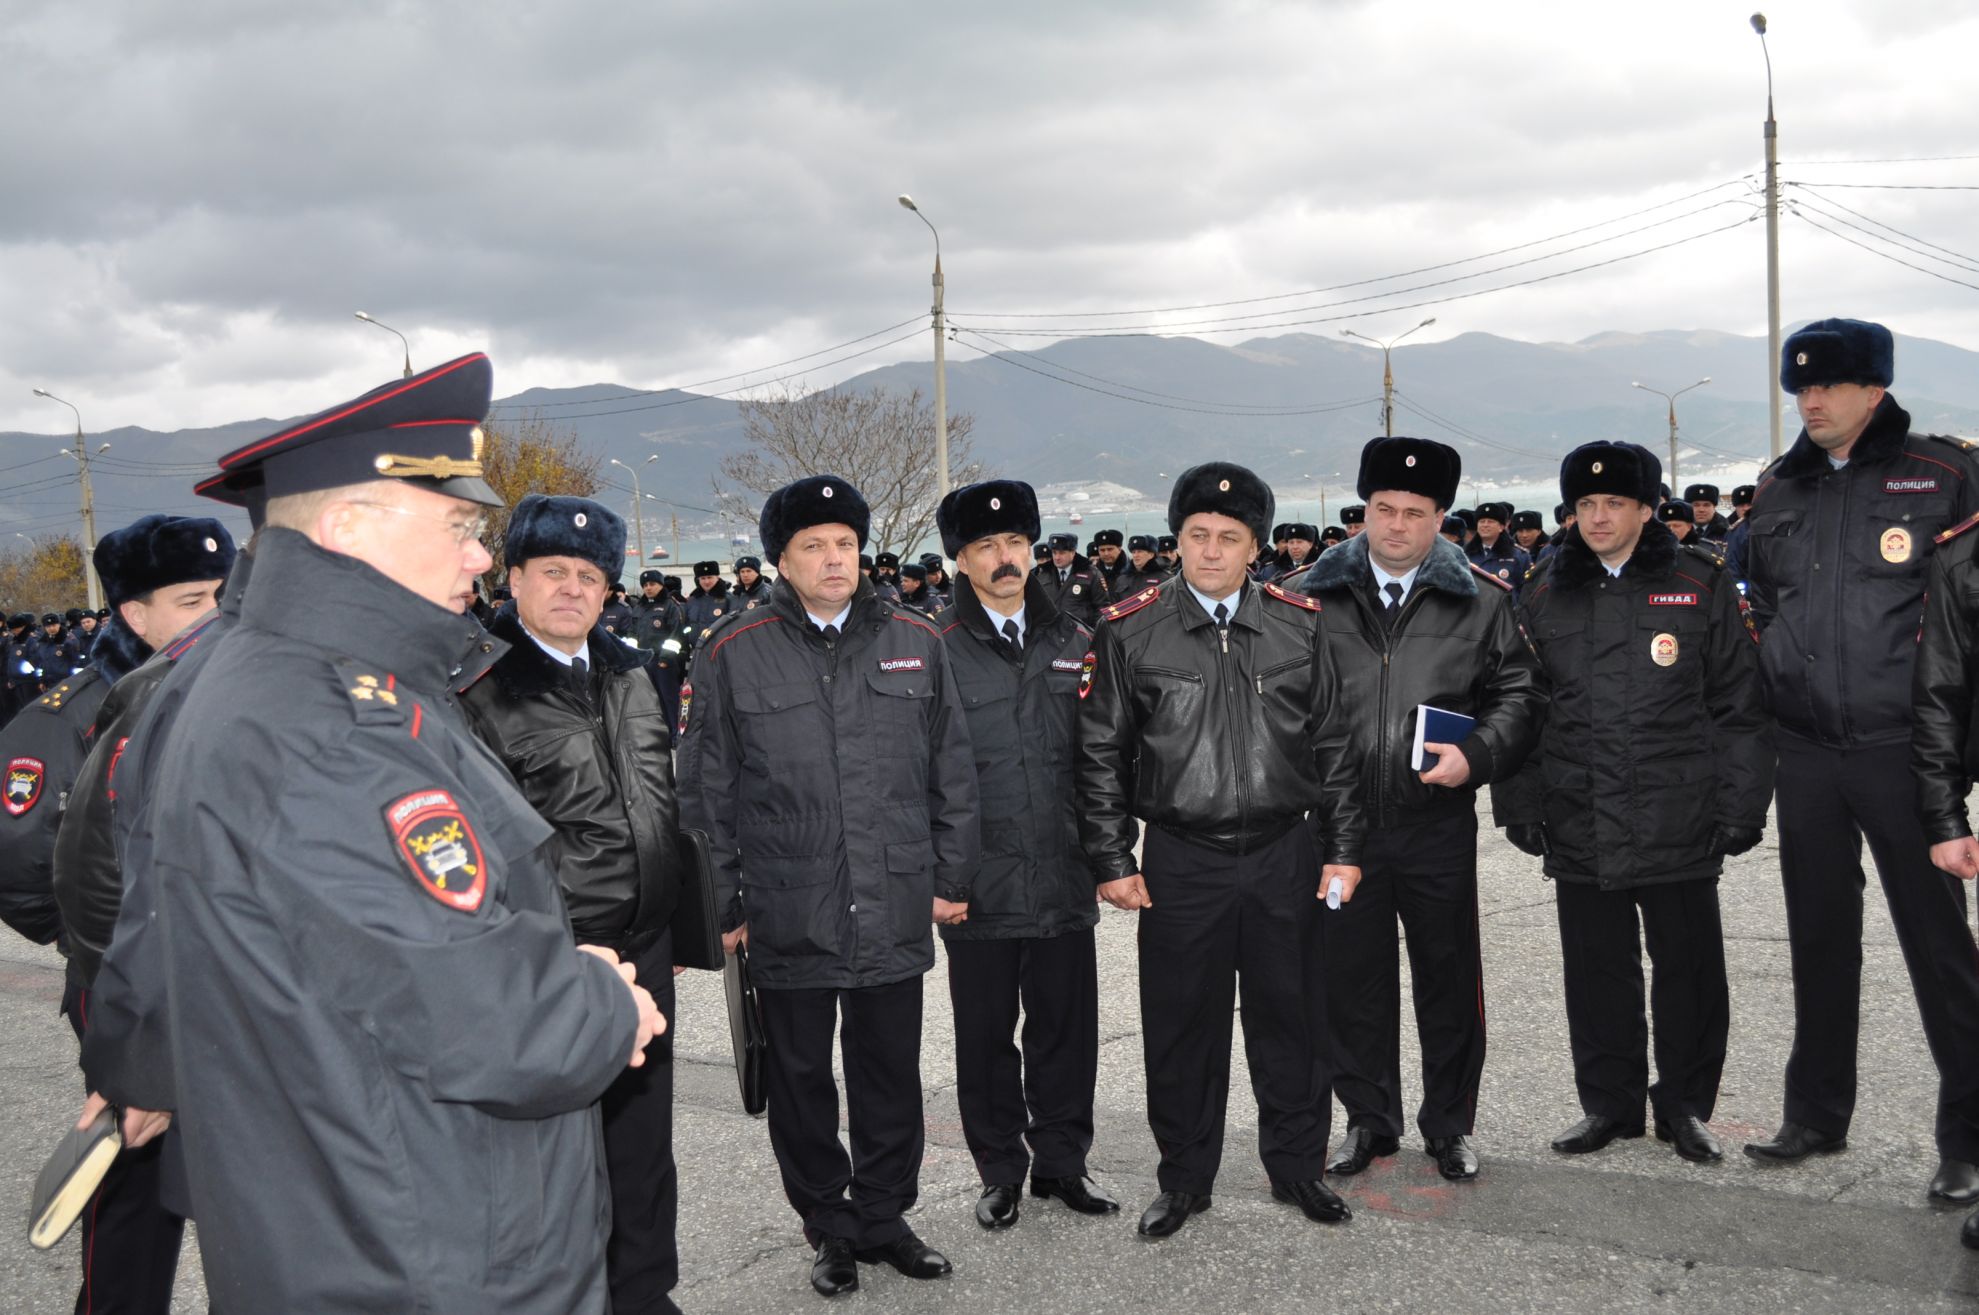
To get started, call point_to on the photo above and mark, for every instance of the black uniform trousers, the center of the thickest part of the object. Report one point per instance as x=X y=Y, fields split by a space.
x=1220 y=923
x=130 y=1241
x=1427 y=873
x=862 y=1198
x=1828 y=802
x=1688 y=996
x=642 y=1258
x=1045 y=1094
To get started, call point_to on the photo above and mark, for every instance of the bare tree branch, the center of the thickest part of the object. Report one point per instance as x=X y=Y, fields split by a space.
x=531 y=455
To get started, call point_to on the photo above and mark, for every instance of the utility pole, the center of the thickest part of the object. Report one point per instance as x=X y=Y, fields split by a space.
x=1671 y=398
x=81 y=454
x=941 y=359
x=1772 y=241
x=1387 y=371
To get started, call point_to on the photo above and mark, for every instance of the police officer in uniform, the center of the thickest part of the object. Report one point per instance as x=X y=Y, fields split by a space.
x=1212 y=712
x=405 y=992
x=49 y=651
x=578 y=725
x=1109 y=562
x=1703 y=500
x=751 y=589
x=659 y=625
x=1642 y=639
x=1069 y=580
x=1354 y=519
x=1140 y=570
x=1028 y=939
x=18 y=682
x=709 y=602
x=1681 y=520
x=1842 y=531
x=915 y=592
x=1529 y=532
x=824 y=752
x=1411 y=622
x=160 y=573
x=1493 y=549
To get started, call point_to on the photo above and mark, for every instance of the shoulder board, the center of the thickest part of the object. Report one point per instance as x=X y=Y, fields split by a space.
x=1290 y=576
x=374 y=697
x=1714 y=557
x=1306 y=601
x=1483 y=574
x=1959 y=528
x=1962 y=444
x=1128 y=606
x=54 y=698
x=722 y=622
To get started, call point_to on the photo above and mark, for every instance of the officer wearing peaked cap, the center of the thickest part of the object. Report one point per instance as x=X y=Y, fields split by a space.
x=1842 y=531
x=405 y=987
x=1412 y=623
x=1070 y=581
x=1211 y=711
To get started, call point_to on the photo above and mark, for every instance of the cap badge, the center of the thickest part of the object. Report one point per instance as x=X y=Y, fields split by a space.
x=1595 y=468
x=1223 y=487
x=212 y=545
x=825 y=492
x=996 y=504
x=479 y=439
x=1409 y=461
x=1800 y=359
x=580 y=520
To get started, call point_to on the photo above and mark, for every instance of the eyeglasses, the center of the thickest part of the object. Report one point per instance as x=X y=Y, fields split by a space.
x=461 y=531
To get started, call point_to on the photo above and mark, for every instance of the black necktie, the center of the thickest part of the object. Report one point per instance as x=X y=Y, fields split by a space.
x=1394 y=592
x=1062 y=574
x=831 y=634
x=580 y=678
x=1011 y=633
x=1222 y=616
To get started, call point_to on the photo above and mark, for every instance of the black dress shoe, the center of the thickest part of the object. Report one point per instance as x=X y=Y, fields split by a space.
x=1358 y=1149
x=908 y=1254
x=1969 y=1234
x=833 y=1271
x=1455 y=1159
x=997 y=1207
x=1956 y=1182
x=1320 y=1203
x=1081 y=1193
x=1793 y=1142
x=1592 y=1133
x=1171 y=1210
x=1691 y=1138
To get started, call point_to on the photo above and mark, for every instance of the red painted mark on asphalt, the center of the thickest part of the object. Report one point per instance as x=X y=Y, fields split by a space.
x=1404 y=1191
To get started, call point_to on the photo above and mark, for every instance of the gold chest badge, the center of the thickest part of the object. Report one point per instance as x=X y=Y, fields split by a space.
x=1896 y=545
x=1663 y=650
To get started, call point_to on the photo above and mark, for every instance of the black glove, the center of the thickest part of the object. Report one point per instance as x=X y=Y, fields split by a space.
x=1729 y=840
x=1529 y=838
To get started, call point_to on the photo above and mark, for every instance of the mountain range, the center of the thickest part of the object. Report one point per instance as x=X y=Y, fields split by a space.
x=1131 y=412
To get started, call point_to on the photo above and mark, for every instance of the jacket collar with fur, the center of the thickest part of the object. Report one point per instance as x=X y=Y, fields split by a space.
x=116 y=650
x=1346 y=566
x=526 y=671
x=1574 y=565
x=1881 y=440
x=1039 y=610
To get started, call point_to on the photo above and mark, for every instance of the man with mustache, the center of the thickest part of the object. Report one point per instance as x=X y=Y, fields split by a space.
x=823 y=750
x=1028 y=940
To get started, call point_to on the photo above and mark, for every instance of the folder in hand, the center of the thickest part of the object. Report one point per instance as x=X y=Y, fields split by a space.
x=745 y=1031
x=697 y=937
x=70 y=1178
x=1435 y=726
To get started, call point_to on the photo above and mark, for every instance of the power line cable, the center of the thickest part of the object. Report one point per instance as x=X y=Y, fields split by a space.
x=1357 y=283
x=1875 y=251
x=1909 y=159
x=1462 y=431
x=1830 y=201
x=653 y=392
x=1889 y=187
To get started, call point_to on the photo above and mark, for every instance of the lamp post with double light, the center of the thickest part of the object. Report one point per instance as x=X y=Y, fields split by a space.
x=941 y=359
x=1387 y=371
x=82 y=454
x=1671 y=398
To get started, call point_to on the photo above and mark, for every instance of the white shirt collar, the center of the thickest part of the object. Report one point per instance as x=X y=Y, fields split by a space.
x=997 y=619
x=1381 y=577
x=838 y=620
x=1209 y=604
x=562 y=657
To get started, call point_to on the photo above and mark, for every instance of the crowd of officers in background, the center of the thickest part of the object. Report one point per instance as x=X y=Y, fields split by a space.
x=317 y=1028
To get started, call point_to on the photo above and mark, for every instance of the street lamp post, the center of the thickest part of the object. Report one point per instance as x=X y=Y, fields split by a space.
x=1772 y=236
x=81 y=454
x=638 y=526
x=401 y=337
x=1387 y=372
x=941 y=359
x=1671 y=398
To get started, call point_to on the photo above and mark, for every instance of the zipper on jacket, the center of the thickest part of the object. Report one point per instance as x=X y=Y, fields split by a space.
x=1233 y=712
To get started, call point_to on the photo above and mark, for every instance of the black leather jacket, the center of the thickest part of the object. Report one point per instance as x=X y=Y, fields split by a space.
x=1836 y=561
x=1023 y=715
x=601 y=775
x=1637 y=665
x=1944 y=746
x=1455 y=645
x=1225 y=743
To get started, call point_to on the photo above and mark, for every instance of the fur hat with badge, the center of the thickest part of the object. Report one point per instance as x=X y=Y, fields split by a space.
x=1673 y=512
x=976 y=511
x=1526 y=520
x=1838 y=351
x=1626 y=470
x=1409 y=465
x=154 y=552
x=813 y=500
x=1226 y=489
x=553 y=525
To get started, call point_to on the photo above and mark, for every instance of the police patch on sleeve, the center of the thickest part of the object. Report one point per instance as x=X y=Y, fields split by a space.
x=1086 y=669
x=439 y=848
x=24 y=780
x=686 y=701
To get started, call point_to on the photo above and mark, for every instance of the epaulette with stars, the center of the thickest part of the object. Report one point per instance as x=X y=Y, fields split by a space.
x=54 y=698
x=1483 y=574
x=374 y=699
x=1283 y=595
x=1958 y=529
x=1130 y=604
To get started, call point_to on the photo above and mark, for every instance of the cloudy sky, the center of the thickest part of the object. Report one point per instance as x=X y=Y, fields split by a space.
x=199 y=194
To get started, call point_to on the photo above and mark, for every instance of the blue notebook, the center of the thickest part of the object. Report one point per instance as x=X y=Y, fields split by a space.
x=1435 y=726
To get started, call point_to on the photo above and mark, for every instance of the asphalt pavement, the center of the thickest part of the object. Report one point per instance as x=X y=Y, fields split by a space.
x=1631 y=1228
